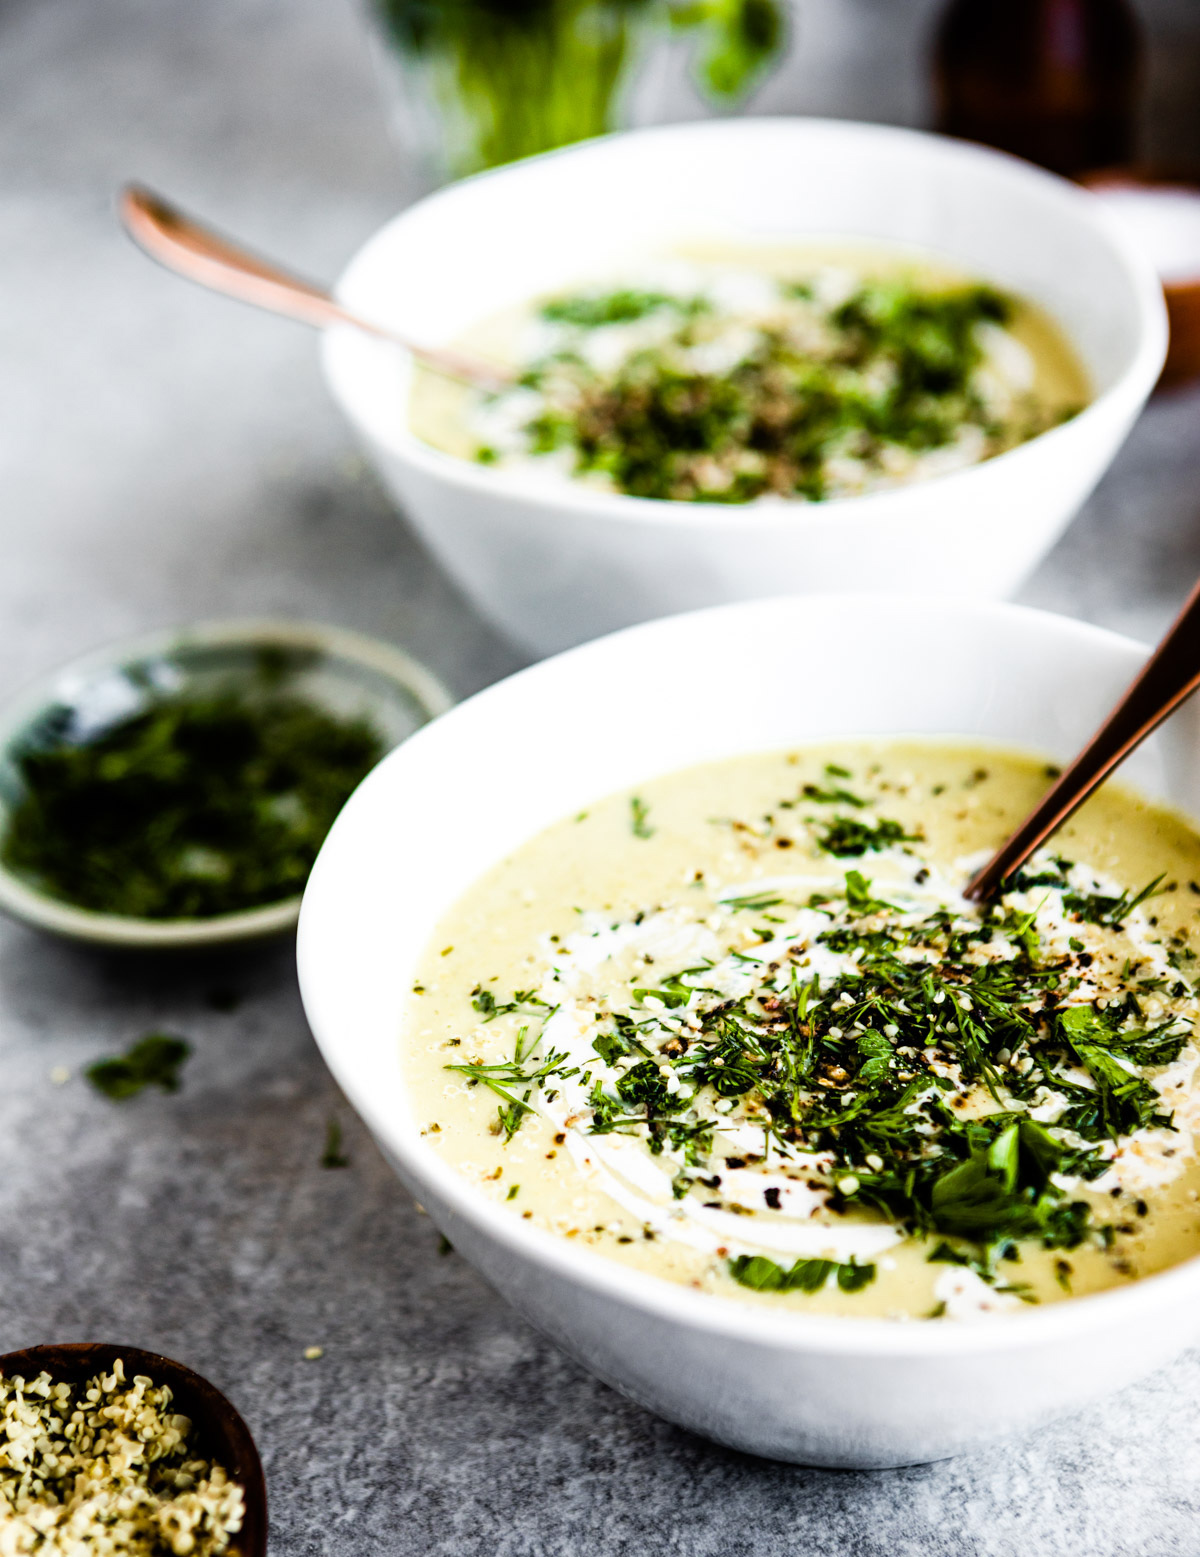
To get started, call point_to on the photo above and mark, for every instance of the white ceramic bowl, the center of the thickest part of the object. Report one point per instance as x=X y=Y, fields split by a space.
x=554 y=568
x=741 y=678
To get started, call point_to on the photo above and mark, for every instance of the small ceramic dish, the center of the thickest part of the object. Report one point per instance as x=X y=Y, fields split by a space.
x=1159 y=209
x=340 y=671
x=555 y=564
x=753 y=677
x=221 y=1435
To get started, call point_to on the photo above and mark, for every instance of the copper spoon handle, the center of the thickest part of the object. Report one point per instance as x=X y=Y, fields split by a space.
x=1169 y=676
x=192 y=250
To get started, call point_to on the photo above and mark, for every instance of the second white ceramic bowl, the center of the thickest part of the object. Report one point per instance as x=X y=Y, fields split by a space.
x=552 y=567
x=753 y=677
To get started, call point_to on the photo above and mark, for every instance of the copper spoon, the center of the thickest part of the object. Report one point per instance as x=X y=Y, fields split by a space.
x=1169 y=676
x=190 y=249
x=221 y=1435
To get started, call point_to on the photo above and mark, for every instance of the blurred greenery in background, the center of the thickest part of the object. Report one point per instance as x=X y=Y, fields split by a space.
x=508 y=78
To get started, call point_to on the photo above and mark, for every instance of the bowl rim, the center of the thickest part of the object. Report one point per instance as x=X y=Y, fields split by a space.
x=1136 y=380
x=27 y=904
x=715 y=1314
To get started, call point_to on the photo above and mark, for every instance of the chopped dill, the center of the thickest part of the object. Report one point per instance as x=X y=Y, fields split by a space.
x=519 y=1074
x=763 y=1275
x=199 y=805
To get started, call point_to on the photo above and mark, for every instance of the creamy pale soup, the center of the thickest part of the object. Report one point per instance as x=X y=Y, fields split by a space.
x=735 y=375
x=741 y=1030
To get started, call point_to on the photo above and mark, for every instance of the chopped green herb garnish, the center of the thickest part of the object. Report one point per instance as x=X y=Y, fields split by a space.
x=763 y=1275
x=198 y=806
x=818 y=400
x=847 y=837
x=594 y=310
x=870 y=1069
x=753 y=902
x=154 y=1060
x=1098 y=909
x=333 y=1156
x=518 y=1075
x=640 y=811
x=832 y=797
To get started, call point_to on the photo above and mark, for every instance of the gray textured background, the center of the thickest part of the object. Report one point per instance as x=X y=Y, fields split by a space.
x=166 y=456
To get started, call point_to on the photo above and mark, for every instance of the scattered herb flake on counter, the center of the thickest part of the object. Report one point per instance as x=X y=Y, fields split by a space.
x=333 y=1156
x=197 y=806
x=107 y=1467
x=639 y=814
x=154 y=1060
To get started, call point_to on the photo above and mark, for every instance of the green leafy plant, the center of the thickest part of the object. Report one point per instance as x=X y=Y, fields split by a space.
x=515 y=77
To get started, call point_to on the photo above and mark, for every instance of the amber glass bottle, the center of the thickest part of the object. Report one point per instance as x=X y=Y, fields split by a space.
x=1052 y=80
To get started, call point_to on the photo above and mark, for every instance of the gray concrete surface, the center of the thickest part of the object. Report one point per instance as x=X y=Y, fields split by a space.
x=167 y=455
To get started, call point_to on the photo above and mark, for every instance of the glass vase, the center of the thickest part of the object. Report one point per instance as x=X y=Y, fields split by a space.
x=477 y=83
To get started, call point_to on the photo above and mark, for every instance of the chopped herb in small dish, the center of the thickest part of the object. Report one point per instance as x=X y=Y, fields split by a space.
x=197 y=806
x=177 y=793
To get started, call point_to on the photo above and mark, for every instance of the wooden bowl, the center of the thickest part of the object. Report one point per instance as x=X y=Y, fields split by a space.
x=219 y=1432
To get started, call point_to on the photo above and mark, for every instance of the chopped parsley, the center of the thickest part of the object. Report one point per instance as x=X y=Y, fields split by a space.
x=848 y=837
x=197 y=806
x=807 y=399
x=518 y=1075
x=333 y=1156
x=763 y=1275
x=154 y=1060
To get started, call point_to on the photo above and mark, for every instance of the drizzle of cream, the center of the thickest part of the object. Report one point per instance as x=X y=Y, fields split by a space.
x=968 y=1297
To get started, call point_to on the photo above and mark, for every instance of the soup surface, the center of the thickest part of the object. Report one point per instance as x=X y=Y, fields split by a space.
x=734 y=375
x=740 y=1029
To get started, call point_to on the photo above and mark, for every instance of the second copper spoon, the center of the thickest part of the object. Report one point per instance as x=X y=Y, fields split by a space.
x=1169 y=676
x=190 y=249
